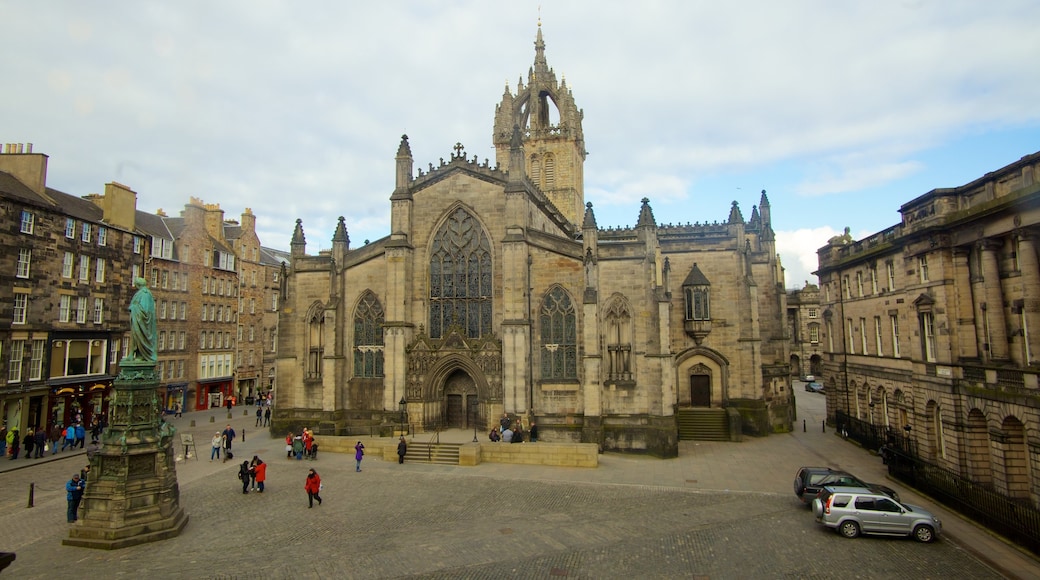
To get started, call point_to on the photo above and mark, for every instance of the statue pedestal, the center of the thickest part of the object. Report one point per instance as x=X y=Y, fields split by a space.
x=132 y=496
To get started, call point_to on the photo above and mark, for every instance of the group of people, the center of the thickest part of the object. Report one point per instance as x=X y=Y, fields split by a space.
x=512 y=432
x=222 y=441
x=36 y=442
x=263 y=416
x=253 y=474
x=302 y=445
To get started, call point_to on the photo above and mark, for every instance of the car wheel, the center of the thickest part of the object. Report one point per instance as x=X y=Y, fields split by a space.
x=924 y=534
x=849 y=529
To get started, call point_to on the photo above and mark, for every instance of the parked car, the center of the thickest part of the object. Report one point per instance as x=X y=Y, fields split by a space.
x=814 y=387
x=810 y=481
x=854 y=510
x=809 y=378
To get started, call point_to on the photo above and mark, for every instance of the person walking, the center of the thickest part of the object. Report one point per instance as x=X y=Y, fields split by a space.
x=402 y=449
x=267 y=416
x=217 y=443
x=29 y=442
x=259 y=415
x=244 y=476
x=177 y=407
x=40 y=442
x=73 y=494
x=55 y=437
x=227 y=403
x=288 y=445
x=70 y=438
x=229 y=436
x=81 y=435
x=313 y=486
x=359 y=453
x=297 y=447
x=260 y=474
x=252 y=472
x=13 y=443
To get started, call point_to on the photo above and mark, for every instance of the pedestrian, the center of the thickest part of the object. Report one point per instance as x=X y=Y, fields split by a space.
x=84 y=474
x=244 y=476
x=288 y=445
x=29 y=442
x=228 y=403
x=313 y=486
x=504 y=422
x=267 y=416
x=259 y=415
x=297 y=447
x=252 y=472
x=507 y=435
x=494 y=436
x=217 y=443
x=40 y=442
x=177 y=408
x=532 y=433
x=73 y=494
x=308 y=442
x=13 y=443
x=70 y=438
x=260 y=473
x=517 y=437
x=3 y=440
x=359 y=452
x=81 y=435
x=229 y=436
x=95 y=430
x=402 y=449
x=55 y=437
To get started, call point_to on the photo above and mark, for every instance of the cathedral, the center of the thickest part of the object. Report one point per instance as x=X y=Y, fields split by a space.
x=496 y=292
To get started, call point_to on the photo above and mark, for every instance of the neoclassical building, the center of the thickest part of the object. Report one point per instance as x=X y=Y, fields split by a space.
x=932 y=327
x=497 y=292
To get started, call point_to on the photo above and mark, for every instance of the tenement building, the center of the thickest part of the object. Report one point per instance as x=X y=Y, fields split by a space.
x=496 y=292
x=932 y=327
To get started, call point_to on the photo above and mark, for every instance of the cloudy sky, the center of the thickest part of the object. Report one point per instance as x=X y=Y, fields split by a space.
x=842 y=111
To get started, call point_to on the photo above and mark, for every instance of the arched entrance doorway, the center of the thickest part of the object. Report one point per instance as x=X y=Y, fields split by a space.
x=461 y=403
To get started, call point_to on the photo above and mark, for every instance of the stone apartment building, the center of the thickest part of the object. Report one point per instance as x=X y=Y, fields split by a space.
x=497 y=292
x=66 y=293
x=806 y=322
x=932 y=327
x=274 y=264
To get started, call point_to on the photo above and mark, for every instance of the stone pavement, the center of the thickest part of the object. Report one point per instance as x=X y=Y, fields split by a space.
x=720 y=510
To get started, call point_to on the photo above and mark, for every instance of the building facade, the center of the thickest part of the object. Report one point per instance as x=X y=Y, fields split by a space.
x=932 y=327
x=497 y=292
x=806 y=324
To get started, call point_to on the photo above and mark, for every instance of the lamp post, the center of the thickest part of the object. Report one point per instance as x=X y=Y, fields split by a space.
x=402 y=406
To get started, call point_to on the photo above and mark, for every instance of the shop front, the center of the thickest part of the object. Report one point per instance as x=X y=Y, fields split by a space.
x=213 y=393
x=80 y=401
x=175 y=398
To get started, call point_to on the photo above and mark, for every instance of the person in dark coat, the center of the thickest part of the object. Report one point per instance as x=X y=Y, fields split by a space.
x=40 y=439
x=73 y=494
x=402 y=449
x=29 y=442
x=15 y=444
x=245 y=476
x=532 y=433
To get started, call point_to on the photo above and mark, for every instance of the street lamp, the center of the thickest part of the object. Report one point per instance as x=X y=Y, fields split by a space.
x=402 y=405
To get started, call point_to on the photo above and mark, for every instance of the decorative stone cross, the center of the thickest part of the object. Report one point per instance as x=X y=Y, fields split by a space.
x=458 y=149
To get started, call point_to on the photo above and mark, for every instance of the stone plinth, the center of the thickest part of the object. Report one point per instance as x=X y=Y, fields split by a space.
x=132 y=496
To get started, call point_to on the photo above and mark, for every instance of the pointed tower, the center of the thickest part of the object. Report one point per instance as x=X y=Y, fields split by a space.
x=553 y=141
x=298 y=245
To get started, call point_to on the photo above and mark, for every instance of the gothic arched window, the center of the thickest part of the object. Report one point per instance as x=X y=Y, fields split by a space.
x=460 y=277
x=619 y=340
x=368 y=337
x=559 y=336
x=550 y=171
x=315 y=343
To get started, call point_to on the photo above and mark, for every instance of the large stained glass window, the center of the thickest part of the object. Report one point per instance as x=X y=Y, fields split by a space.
x=368 y=337
x=460 y=277
x=559 y=336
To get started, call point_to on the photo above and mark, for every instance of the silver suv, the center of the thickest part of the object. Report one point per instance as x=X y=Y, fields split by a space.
x=852 y=510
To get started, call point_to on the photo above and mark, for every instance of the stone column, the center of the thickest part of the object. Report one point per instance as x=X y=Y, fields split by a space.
x=1030 y=268
x=997 y=335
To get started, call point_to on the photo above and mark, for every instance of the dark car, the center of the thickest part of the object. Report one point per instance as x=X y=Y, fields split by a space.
x=809 y=482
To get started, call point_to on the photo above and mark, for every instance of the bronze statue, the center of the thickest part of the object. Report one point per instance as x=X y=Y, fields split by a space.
x=143 y=334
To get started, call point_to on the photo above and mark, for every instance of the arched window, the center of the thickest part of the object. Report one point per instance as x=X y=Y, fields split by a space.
x=559 y=336
x=536 y=169
x=619 y=340
x=368 y=337
x=315 y=343
x=460 y=277
x=550 y=171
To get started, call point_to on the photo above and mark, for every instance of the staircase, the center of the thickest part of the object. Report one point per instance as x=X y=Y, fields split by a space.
x=439 y=453
x=701 y=424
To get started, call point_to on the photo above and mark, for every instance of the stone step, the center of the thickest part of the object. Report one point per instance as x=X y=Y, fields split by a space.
x=438 y=453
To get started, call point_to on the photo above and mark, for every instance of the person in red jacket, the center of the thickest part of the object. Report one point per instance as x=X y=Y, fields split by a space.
x=260 y=474
x=313 y=486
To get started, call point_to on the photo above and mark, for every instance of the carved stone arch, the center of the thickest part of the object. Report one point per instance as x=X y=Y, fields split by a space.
x=447 y=214
x=317 y=308
x=618 y=337
x=697 y=369
x=444 y=367
x=976 y=434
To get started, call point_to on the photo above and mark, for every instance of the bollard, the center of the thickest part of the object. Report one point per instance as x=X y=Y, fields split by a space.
x=193 y=422
x=803 y=426
x=243 y=435
x=32 y=488
x=212 y=419
x=245 y=412
x=823 y=426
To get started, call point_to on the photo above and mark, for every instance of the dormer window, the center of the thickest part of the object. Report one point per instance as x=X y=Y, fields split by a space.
x=697 y=301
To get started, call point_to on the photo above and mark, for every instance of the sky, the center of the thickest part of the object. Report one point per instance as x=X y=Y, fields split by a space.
x=841 y=111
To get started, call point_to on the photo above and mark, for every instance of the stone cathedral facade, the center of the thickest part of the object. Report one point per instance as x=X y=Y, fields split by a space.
x=497 y=292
